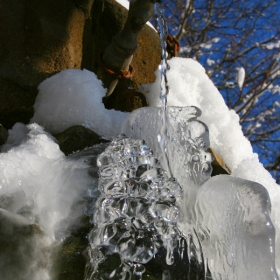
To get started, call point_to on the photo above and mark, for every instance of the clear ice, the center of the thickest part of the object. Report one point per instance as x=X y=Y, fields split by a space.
x=185 y=140
x=136 y=213
x=226 y=218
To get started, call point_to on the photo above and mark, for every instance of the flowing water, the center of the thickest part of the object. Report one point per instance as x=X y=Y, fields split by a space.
x=137 y=212
x=164 y=88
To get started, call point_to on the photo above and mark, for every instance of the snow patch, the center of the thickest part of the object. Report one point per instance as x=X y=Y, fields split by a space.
x=74 y=97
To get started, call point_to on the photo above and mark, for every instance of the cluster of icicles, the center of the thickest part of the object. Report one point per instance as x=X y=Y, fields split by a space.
x=136 y=213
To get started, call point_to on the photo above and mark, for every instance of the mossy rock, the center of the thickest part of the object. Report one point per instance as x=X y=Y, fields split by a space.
x=76 y=138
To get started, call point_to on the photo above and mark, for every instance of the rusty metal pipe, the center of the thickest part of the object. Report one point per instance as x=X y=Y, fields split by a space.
x=118 y=55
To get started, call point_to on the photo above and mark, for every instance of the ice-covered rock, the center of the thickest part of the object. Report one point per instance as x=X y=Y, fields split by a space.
x=40 y=201
x=180 y=144
x=190 y=86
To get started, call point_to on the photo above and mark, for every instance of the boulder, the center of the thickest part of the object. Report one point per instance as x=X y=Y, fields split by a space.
x=3 y=135
x=76 y=138
x=41 y=38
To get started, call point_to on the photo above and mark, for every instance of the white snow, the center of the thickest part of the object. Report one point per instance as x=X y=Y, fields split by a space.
x=38 y=173
x=74 y=97
x=210 y=62
x=124 y=3
x=41 y=186
x=209 y=44
x=271 y=46
x=240 y=77
x=190 y=86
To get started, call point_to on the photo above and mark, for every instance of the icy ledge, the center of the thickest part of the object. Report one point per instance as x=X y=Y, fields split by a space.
x=227 y=217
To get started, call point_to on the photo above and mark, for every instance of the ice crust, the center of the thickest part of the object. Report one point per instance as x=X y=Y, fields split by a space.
x=74 y=97
x=234 y=228
x=190 y=86
x=184 y=140
x=229 y=216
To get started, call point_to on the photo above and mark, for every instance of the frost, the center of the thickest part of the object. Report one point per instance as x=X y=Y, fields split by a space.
x=209 y=44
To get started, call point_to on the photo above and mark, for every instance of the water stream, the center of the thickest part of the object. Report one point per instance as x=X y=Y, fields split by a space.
x=139 y=207
x=164 y=88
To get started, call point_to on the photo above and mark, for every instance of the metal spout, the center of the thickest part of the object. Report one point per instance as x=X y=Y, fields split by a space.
x=118 y=54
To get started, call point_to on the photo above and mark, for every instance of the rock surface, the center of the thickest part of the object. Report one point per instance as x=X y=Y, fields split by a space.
x=37 y=39
x=108 y=19
x=41 y=38
x=76 y=138
x=3 y=135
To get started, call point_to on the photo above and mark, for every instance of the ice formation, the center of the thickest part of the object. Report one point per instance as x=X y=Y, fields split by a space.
x=187 y=140
x=229 y=216
x=190 y=86
x=31 y=157
x=136 y=213
x=234 y=228
x=38 y=178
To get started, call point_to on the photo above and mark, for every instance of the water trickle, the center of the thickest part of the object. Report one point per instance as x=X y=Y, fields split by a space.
x=164 y=88
x=139 y=207
x=164 y=66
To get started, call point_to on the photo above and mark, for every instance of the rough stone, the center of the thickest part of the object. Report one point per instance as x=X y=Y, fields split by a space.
x=218 y=165
x=76 y=138
x=41 y=38
x=3 y=135
x=16 y=252
x=71 y=254
x=37 y=39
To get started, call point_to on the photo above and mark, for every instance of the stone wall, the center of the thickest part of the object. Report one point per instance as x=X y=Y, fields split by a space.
x=41 y=38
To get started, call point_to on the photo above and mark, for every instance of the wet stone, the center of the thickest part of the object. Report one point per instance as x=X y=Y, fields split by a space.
x=76 y=138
